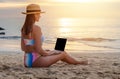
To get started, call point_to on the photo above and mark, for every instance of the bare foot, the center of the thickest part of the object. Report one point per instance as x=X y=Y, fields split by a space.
x=84 y=62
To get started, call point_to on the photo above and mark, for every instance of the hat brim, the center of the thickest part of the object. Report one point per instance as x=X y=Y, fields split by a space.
x=31 y=12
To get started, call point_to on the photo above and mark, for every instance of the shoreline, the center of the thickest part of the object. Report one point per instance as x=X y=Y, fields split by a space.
x=71 y=46
x=101 y=66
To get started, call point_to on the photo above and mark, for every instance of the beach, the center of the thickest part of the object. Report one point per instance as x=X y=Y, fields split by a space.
x=92 y=29
x=101 y=66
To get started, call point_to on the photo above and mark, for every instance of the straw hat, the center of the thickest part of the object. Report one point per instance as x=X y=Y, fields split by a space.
x=33 y=9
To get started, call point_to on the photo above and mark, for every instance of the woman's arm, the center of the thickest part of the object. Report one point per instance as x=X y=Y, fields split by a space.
x=38 y=44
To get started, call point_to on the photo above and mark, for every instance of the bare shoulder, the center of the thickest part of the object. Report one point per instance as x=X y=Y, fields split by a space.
x=37 y=31
x=36 y=28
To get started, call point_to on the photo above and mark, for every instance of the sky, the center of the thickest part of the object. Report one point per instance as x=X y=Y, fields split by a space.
x=59 y=0
x=90 y=11
x=75 y=8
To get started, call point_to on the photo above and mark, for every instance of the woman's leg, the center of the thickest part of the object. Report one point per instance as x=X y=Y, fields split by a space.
x=49 y=60
x=46 y=61
x=71 y=60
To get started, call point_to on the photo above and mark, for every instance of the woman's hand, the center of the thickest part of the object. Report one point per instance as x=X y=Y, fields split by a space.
x=53 y=53
x=48 y=53
x=47 y=50
x=45 y=54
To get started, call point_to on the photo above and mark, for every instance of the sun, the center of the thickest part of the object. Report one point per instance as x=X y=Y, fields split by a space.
x=77 y=1
x=64 y=22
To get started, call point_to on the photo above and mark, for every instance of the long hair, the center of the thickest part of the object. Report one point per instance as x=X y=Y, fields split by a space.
x=28 y=24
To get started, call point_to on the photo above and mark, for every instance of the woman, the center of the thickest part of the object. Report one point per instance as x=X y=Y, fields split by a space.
x=31 y=43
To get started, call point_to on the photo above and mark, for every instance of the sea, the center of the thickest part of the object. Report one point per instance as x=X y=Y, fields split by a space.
x=84 y=34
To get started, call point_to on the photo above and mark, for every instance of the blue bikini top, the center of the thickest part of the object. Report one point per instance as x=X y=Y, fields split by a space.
x=30 y=42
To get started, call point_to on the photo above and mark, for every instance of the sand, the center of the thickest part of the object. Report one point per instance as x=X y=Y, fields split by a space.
x=101 y=66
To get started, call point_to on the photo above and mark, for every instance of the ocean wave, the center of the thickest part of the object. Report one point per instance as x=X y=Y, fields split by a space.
x=98 y=42
x=97 y=39
x=10 y=37
x=103 y=46
x=91 y=39
x=106 y=44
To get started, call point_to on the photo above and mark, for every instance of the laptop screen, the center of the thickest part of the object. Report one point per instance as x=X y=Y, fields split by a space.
x=60 y=44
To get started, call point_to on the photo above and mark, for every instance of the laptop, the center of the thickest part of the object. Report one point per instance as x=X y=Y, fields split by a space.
x=60 y=44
